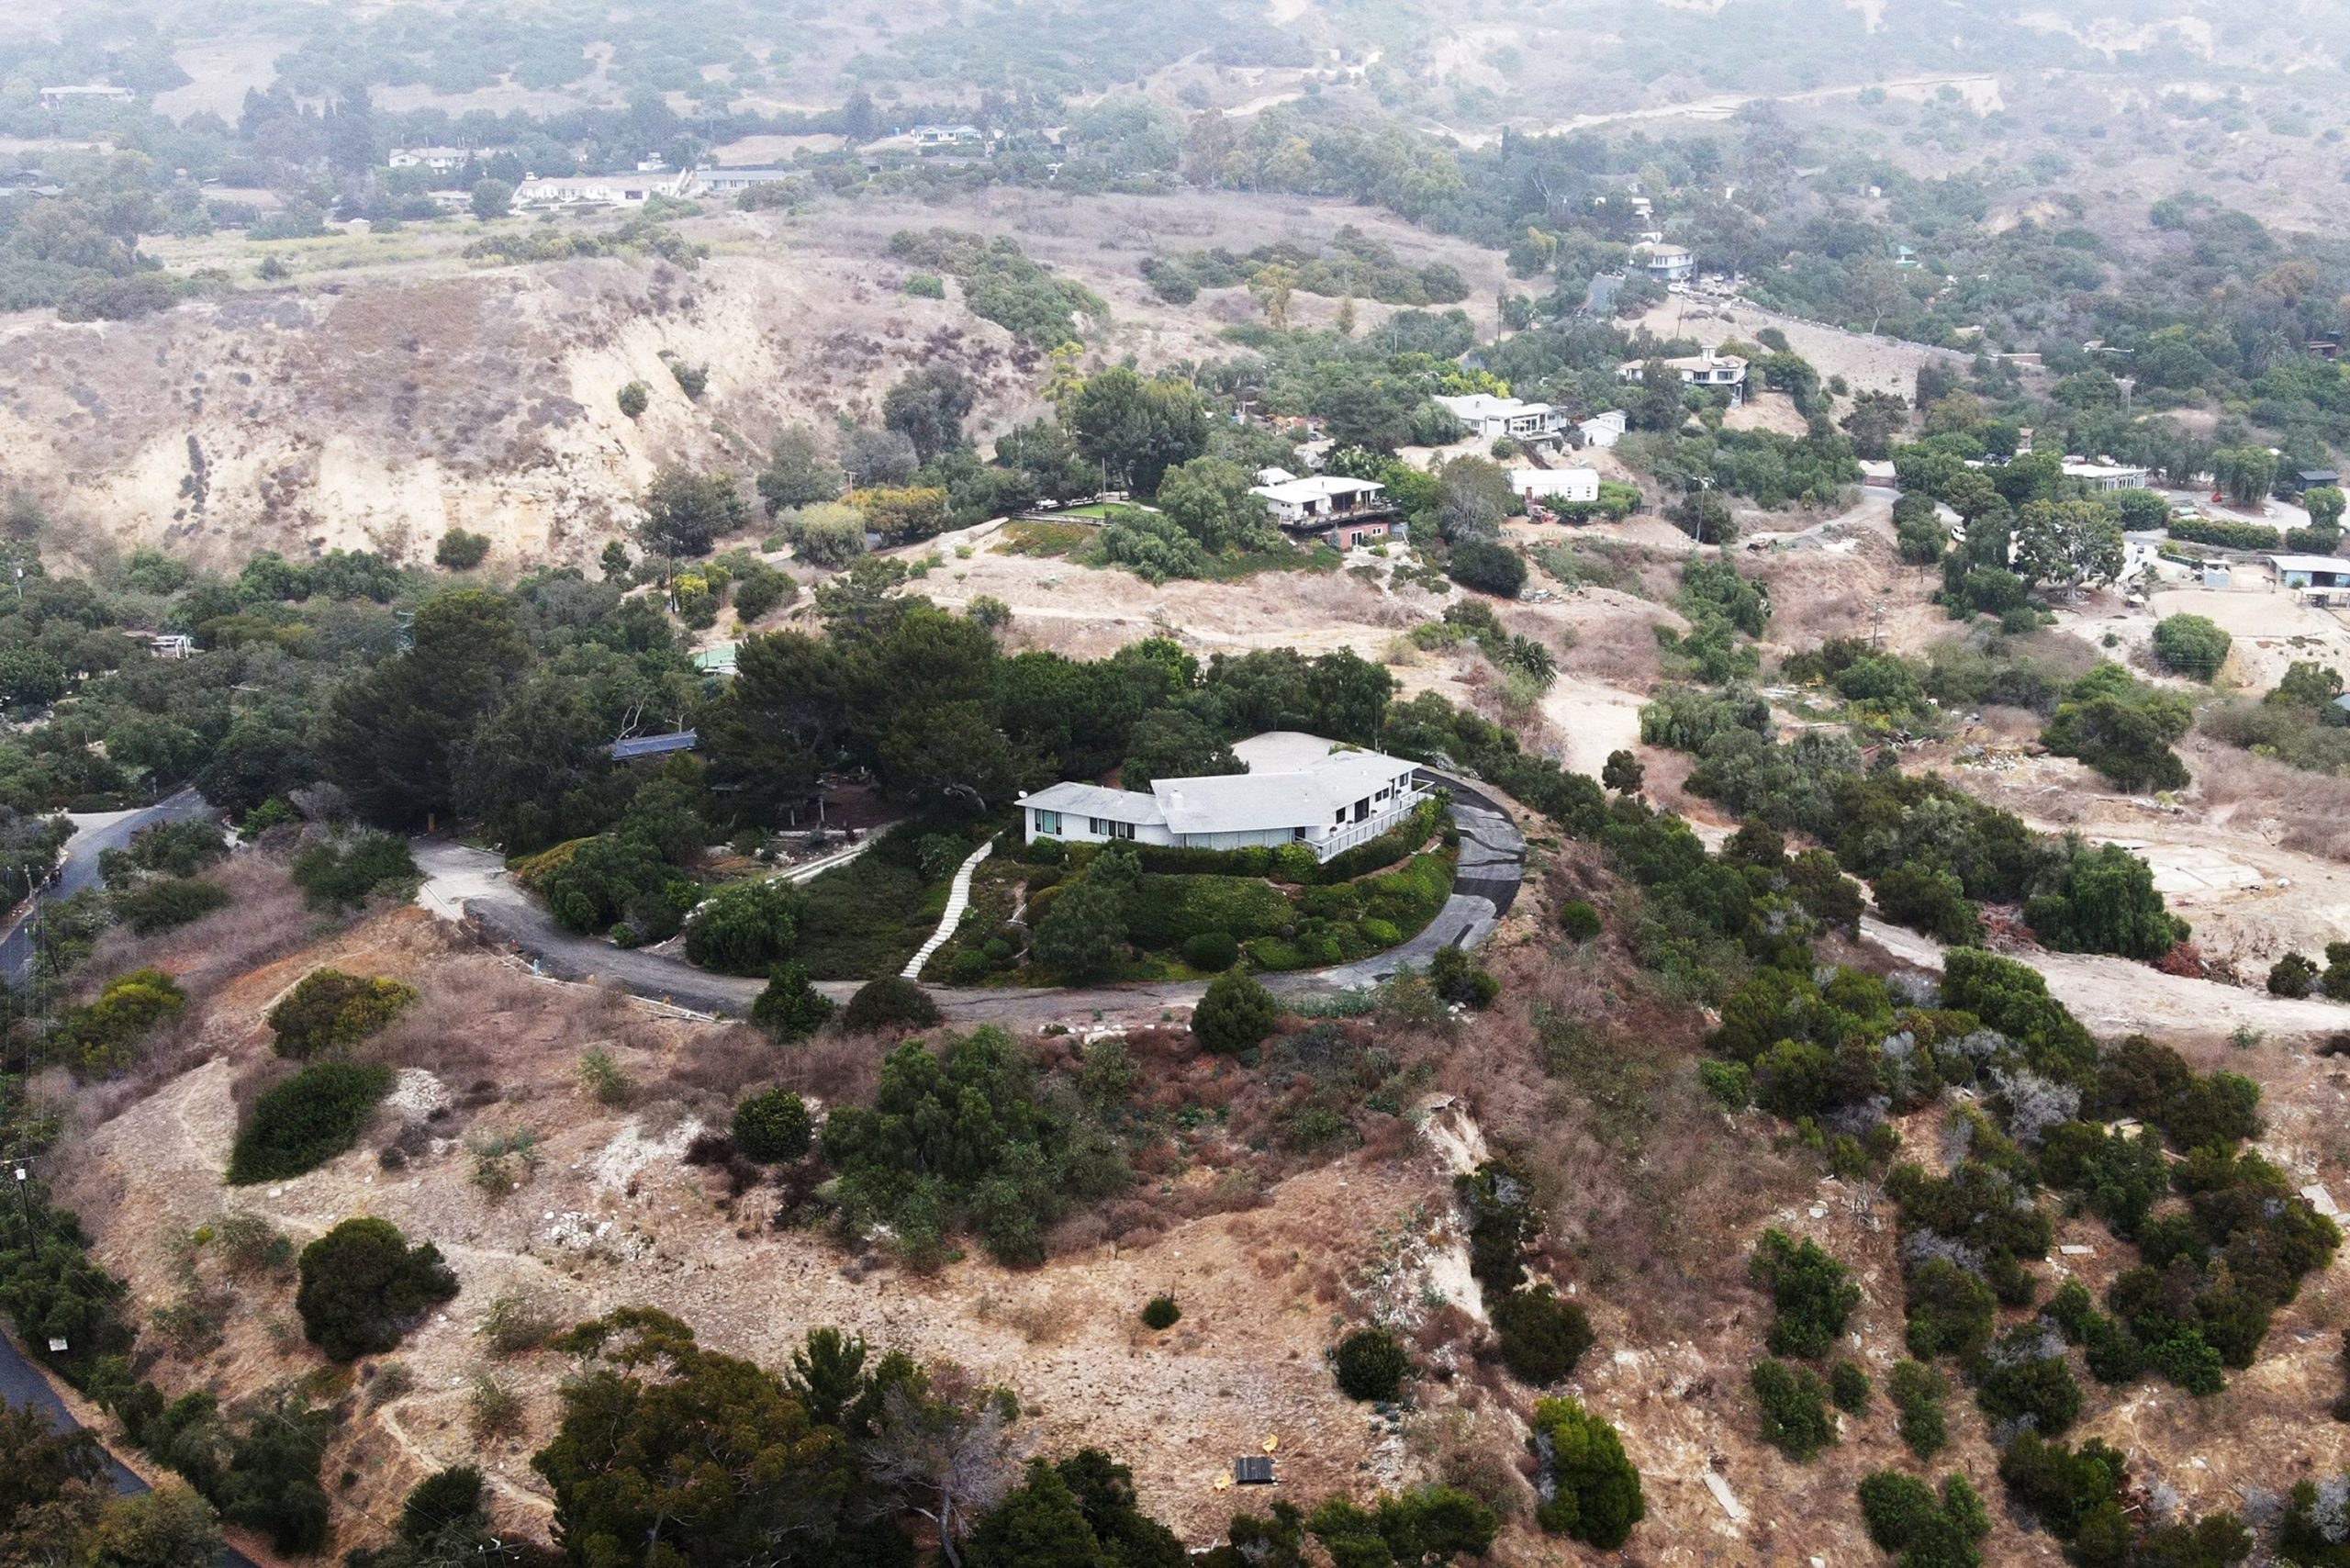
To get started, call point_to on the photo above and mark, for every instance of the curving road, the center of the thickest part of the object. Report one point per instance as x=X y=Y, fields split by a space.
x=78 y=866
x=463 y=883
x=21 y=1382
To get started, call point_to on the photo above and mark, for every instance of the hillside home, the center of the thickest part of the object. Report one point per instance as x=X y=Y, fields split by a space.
x=94 y=92
x=1564 y=486
x=1344 y=512
x=440 y=160
x=1490 y=418
x=1602 y=430
x=1726 y=372
x=2106 y=476
x=1299 y=789
x=943 y=135
x=731 y=182
x=595 y=190
x=1667 y=263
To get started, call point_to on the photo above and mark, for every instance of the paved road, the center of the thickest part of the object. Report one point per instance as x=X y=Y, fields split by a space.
x=22 y=1384
x=466 y=883
x=93 y=836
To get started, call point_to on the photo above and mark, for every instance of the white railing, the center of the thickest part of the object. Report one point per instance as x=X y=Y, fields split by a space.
x=1363 y=832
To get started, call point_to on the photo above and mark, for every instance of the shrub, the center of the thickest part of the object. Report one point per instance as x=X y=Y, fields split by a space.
x=2024 y=1378
x=461 y=550
x=1848 y=1386
x=343 y=874
x=1488 y=568
x=1457 y=977
x=1918 y=1393
x=306 y=1121
x=746 y=928
x=1812 y=1295
x=771 y=1126
x=1160 y=1312
x=363 y=1287
x=165 y=903
x=601 y=1077
x=2291 y=975
x=1235 y=1014
x=889 y=1002
x=328 y=1008
x=1795 y=1409
x=1904 y=1516
x=1211 y=952
x=1371 y=1364
x=102 y=1037
x=2104 y=901
x=2059 y=1486
x=634 y=398
x=1591 y=1490
x=1730 y=1082
x=2190 y=645
x=1579 y=920
x=790 y=1008
x=1542 y=1337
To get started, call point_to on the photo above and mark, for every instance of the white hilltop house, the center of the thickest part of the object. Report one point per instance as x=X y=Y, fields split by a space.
x=1490 y=418
x=1299 y=789
x=1727 y=371
x=1344 y=512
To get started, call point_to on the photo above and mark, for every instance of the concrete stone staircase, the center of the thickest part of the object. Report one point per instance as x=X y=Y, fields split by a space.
x=959 y=899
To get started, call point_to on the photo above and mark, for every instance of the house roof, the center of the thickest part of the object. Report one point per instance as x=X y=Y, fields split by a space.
x=1485 y=405
x=1550 y=479
x=1093 y=801
x=2334 y=564
x=652 y=746
x=1316 y=488
x=1302 y=797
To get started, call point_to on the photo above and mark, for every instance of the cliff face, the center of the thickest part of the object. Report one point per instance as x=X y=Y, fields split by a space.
x=382 y=411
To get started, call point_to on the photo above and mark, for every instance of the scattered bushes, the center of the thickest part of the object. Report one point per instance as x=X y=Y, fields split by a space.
x=328 y=1008
x=747 y=928
x=1370 y=1364
x=1918 y=1393
x=771 y=1126
x=302 y=1123
x=461 y=550
x=1235 y=1014
x=363 y=1287
x=1812 y=1295
x=790 y=1008
x=1591 y=1492
x=1461 y=980
x=343 y=874
x=1160 y=1313
x=889 y=1002
x=1211 y=952
x=1794 y=1404
x=1541 y=1337
x=1848 y=1386
x=2192 y=645
x=1906 y=1519
x=165 y=903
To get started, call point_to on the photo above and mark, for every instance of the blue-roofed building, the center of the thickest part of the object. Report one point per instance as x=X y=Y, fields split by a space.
x=654 y=746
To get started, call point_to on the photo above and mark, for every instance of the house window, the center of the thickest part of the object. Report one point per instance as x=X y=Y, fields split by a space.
x=1049 y=823
x=1104 y=828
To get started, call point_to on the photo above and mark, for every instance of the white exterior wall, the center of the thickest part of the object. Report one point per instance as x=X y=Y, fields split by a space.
x=1076 y=827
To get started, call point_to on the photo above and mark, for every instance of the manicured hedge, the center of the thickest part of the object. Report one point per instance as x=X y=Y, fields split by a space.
x=2226 y=535
x=1170 y=909
x=1374 y=854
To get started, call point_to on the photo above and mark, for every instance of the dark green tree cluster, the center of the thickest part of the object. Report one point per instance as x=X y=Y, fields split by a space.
x=969 y=1137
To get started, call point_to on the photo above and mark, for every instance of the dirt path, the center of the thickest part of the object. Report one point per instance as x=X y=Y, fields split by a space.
x=2117 y=996
x=1724 y=104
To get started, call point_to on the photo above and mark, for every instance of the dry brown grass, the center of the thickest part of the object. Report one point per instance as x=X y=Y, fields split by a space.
x=2313 y=809
x=267 y=921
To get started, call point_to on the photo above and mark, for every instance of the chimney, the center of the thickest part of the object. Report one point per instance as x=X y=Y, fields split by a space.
x=1175 y=799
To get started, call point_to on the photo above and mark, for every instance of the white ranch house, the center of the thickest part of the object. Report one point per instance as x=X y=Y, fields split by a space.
x=1299 y=789
x=1345 y=513
x=1490 y=418
x=1727 y=371
x=1603 y=430
x=1568 y=486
